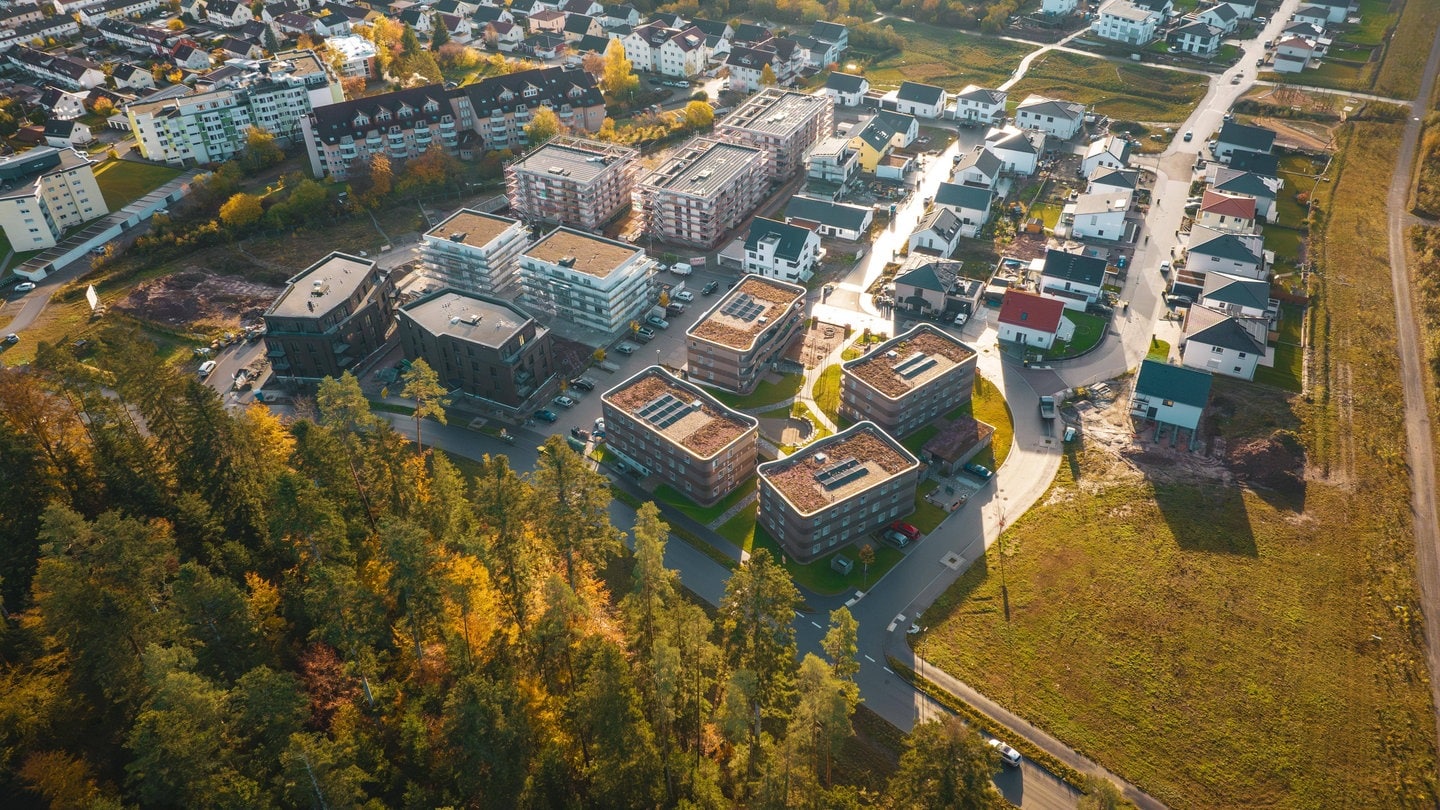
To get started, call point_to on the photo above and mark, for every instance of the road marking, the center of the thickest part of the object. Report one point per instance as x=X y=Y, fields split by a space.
x=891 y=628
x=816 y=626
x=889 y=670
x=868 y=658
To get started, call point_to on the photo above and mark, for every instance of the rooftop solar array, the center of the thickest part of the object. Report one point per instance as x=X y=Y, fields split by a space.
x=743 y=307
x=841 y=473
x=665 y=410
x=914 y=365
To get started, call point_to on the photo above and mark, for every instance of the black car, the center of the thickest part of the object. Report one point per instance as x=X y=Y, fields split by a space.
x=582 y=384
x=709 y=289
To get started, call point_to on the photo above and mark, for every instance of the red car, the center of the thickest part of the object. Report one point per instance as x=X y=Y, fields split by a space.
x=906 y=529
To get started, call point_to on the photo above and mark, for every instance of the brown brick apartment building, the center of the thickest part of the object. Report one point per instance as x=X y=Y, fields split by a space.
x=732 y=345
x=906 y=382
x=331 y=316
x=574 y=182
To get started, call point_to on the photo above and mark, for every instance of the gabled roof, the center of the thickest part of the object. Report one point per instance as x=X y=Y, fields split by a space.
x=1222 y=12
x=751 y=58
x=956 y=195
x=1074 y=267
x=1199 y=30
x=1031 y=311
x=1011 y=140
x=827 y=31
x=1254 y=138
x=1115 y=146
x=843 y=215
x=688 y=39
x=590 y=42
x=1242 y=292
x=712 y=28
x=1157 y=6
x=941 y=220
x=877 y=134
x=1040 y=105
x=936 y=276
x=897 y=121
x=485 y=14
x=1204 y=325
x=1235 y=247
x=1229 y=205
x=918 y=93
x=1234 y=181
x=750 y=32
x=57 y=128
x=578 y=23
x=1187 y=386
x=981 y=160
x=1115 y=178
x=982 y=95
x=791 y=238
x=846 y=83
x=1256 y=162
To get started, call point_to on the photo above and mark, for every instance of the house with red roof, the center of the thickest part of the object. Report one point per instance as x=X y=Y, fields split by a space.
x=1033 y=320
x=1231 y=213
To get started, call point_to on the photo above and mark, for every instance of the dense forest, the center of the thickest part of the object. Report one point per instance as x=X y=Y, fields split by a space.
x=215 y=608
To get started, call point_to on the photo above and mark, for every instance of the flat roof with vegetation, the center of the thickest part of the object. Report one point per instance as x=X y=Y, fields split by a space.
x=473 y=228
x=591 y=255
x=906 y=362
x=739 y=317
x=682 y=413
x=838 y=467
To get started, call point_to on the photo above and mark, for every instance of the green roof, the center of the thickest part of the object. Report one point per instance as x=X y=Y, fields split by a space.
x=1177 y=383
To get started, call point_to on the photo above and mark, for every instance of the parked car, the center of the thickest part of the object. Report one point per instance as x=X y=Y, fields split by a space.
x=1070 y=434
x=709 y=289
x=1189 y=135
x=979 y=471
x=564 y=401
x=626 y=348
x=895 y=538
x=674 y=310
x=1164 y=268
x=645 y=333
x=1009 y=756
x=685 y=295
x=600 y=425
x=545 y=415
x=583 y=383
x=905 y=529
x=25 y=286
x=657 y=322
x=205 y=367
x=12 y=338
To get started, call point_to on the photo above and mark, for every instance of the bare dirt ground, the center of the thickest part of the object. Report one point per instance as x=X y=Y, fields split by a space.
x=1310 y=136
x=818 y=344
x=195 y=296
x=1107 y=424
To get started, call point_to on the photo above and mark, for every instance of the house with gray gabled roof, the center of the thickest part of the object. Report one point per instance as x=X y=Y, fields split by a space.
x=1211 y=251
x=1220 y=344
x=1221 y=16
x=1336 y=11
x=714 y=28
x=980 y=167
x=1060 y=119
x=1256 y=163
x=914 y=98
x=1073 y=279
x=979 y=105
x=1265 y=190
x=938 y=232
x=830 y=218
x=1199 y=38
x=1237 y=137
x=1170 y=395
x=1232 y=295
x=847 y=90
x=1109 y=152
x=1103 y=180
x=750 y=34
x=782 y=251
x=970 y=204
x=927 y=285
x=1018 y=149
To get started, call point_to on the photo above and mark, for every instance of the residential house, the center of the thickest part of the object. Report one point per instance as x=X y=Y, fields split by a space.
x=833 y=163
x=1336 y=11
x=1058 y=8
x=1237 y=137
x=979 y=105
x=484 y=15
x=1074 y=279
x=906 y=127
x=1164 y=8
x=781 y=251
x=980 y=167
x=593 y=282
x=59 y=27
x=191 y=56
x=642 y=43
x=1311 y=15
x=334 y=24
x=498 y=108
x=546 y=22
x=504 y=36
x=579 y=26
x=330 y=318
x=356 y=56
x=228 y=13
x=144 y=39
x=832 y=38
x=671 y=428
x=132 y=77
x=44 y=192
x=1221 y=344
x=750 y=34
x=829 y=218
x=1031 y=320
x=1293 y=54
x=586 y=8
x=1058 y=119
x=1264 y=190
x=1256 y=163
x=1237 y=297
x=475 y=252
x=919 y=100
x=938 y=232
x=617 y=14
x=909 y=381
x=872 y=142
x=701 y=191
x=784 y=123
x=682 y=54
x=1098 y=215
x=569 y=181
x=970 y=204
x=1108 y=152
x=836 y=491
x=1170 y=395
x=1201 y=39
x=401 y=125
x=115 y=10
x=747 y=67
x=64 y=71
x=293 y=25
x=237 y=48
x=1211 y=251
x=745 y=334
x=1245 y=9
x=934 y=288
x=1019 y=150
x=62 y=104
x=1103 y=181
x=846 y=89
x=1227 y=212
x=1220 y=15
x=1124 y=21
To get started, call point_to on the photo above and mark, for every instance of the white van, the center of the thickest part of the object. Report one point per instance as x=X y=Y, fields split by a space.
x=207 y=367
x=682 y=269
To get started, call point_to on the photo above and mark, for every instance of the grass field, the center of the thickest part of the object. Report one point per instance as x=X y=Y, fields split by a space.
x=125 y=181
x=1126 y=91
x=1399 y=74
x=1287 y=372
x=766 y=393
x=1226 y=648
x=826 y=392
x=703 y=514
x=947 y=58
x=1284 y=241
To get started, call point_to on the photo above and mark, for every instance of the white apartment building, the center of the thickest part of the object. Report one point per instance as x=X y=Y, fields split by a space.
x=590 y=281
x=569 y=181
x=476 y=252
x=778 y=250
x=49 y=191
x=1123 y=21
x=702 y=190
x=357 y=55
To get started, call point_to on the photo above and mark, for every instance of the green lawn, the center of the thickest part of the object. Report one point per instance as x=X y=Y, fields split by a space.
x=1292 y=323
x=817 y=577
x=766 y=393
x=1332 y=73
x=1197 y=639
x=927 y=517
x=1088 y=331
x=1159 y=350
x=703 y=514
x=1375 y=20
x=1288 y=371
x=826 y=392
x=1125 y=91
x=1048 y=212
x=1284 y=241
x=946 y=57
x=125 y=181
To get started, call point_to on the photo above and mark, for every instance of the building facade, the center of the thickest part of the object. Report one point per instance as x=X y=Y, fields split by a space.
x=331 y=316
x=908 y=381
x=837 y=491
x=474 y=252
x=483 y=347
x=783 y=123
x=733 y=345
x=569 y=181
x=782 y=251
x=670 y=428
x=400 y=125
x=499 y=108
x=48 y=190
x=701 y=191
x=593 y=282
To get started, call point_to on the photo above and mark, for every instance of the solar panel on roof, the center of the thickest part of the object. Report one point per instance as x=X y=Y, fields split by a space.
x=914 y=365
x=743 y=307
x=665 y=410
x=841 y=473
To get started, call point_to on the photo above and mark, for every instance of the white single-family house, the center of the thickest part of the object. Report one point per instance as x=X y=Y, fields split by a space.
x=846 y=89
x=1170 y=395
x=1221 y=344
x=1058 y=119
x=1108 y=152
x=1198 y=38
x=938 y=232
x=919 y=100
x=970 y=204
x=1073 y=279
x=979 y=105
x=1124 y=21
x=1019 y=150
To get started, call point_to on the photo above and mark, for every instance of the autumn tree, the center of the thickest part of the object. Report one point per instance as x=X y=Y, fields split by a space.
x=618 y=80
x=422 y=384
x=543 y=126
x=593 y=63
x=439 y=32
x=241 y=211
x=946 y=766
x=699 y=115
x=433 y=167
x=104 y=107
x=572 y=515
x=767 y=76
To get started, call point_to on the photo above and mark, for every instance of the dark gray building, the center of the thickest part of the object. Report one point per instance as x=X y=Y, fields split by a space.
x=330 y=317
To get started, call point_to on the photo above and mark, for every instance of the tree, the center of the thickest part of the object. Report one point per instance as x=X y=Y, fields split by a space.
x=409 y=42
x=767 y=76
x=543 y=126
x=490 y=739
x=241 y=211
x=867 y=559
x=820 y=724
x=104 y=107
x=841 y=644
x=272 y=44
x=619 y=80
x=757 y=624
x=617 y=744
x=946 y=766
x=422 y=384
x=433 y=167
x=439 y=33
x=593 y=63
x=572 y=513
x=176 y=24
x=655 y=585
x=1101 y=794
x=699 y=115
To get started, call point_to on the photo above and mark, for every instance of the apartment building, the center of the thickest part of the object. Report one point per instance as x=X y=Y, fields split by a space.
x=833 y=162
x=593 y=282
x=210 y=127
x=331 y=316
x=401 y=125
x=837 y=491
x=733 y=345
x=1123 y=21
x=45 y=192
x=476 y=252
x=670 y=428
x=908 y=381
x=779 y=250
x=574 y=182
x=116 y=10
x=483 y=347
x=499 y=108
x=64 y=71
x=701 y=191
x=136 y=37
x=783 y=123
x=357 y=56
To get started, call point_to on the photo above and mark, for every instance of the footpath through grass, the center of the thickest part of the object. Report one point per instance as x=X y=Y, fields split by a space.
x=1127 y=91
x=1221 y=647
x=946 y=57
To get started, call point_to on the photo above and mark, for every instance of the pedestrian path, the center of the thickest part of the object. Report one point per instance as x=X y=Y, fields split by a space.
x=745 y=503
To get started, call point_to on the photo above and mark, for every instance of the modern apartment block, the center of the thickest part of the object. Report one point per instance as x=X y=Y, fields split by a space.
x=574 y=182
x=490 y=350
x=675 y=430
x=784 y=123
x=837 y=490
x=45 y=192
x=400 y=125
x=476 y=252
x=593 y=282
x=331 y=316
x=211 y=127
x=704 y=189
x=733 y=344
x=908 y=381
